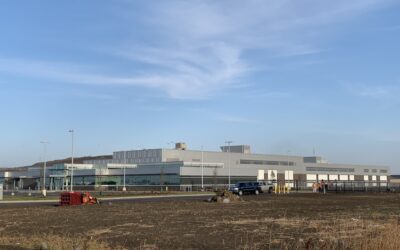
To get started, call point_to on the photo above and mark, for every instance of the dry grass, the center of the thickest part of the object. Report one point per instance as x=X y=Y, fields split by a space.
x=382 y=238
x=354 y=221
x=342 y=234
x=50 y=242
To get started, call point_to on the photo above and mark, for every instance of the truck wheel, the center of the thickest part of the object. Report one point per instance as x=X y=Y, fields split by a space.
x=270 y=190
x=257 y=192
x=240 y=193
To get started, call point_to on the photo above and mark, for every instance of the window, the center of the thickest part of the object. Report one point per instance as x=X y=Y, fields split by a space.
x=262 y=162
x=329 y=169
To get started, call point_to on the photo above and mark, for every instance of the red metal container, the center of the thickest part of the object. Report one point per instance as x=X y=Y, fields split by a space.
x=70 y=198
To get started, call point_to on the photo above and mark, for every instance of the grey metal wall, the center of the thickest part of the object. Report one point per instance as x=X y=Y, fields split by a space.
x=294 y=163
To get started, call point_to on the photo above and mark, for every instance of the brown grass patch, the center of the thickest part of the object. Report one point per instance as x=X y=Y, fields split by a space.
x=50 y=242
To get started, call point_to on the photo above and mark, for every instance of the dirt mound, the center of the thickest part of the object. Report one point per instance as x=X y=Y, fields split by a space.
x=225 y=197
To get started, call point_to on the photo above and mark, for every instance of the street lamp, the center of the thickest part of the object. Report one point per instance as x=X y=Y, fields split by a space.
x=288 y=162
x=72 y=158
x=124 y=188
x=229 y=163
x=202 y=169
x=44 y=167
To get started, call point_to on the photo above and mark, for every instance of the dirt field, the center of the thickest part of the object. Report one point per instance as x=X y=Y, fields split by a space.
x=259 y=222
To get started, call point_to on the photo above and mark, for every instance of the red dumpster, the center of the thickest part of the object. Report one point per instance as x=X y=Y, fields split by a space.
x=70 y=198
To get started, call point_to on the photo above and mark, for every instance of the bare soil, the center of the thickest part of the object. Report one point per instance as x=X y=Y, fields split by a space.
x=259 y=222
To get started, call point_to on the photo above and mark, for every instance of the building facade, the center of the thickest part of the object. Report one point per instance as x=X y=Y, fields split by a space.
x=182 y=167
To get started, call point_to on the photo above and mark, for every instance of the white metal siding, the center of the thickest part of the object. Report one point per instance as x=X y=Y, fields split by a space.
x=322 y=177
x=260 y=174
x=288 y=175
x=333 y=177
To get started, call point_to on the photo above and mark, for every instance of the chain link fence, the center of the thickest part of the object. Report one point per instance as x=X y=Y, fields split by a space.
x=295 y=185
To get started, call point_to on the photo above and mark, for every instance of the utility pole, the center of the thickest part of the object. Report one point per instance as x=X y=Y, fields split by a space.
x=72 y=158
x=202 y=169
x=288 y=162
x=44 y=167
x=161 y=178
x=229 y=162
x=124 y=188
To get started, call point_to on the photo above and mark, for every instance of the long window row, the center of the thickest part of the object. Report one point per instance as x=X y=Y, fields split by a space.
x=262 y=162
x=329 y=169
x=375 y=171
x=137 y=154
x=129 y=180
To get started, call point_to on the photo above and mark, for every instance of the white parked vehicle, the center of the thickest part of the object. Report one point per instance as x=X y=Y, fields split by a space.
x=266 y=186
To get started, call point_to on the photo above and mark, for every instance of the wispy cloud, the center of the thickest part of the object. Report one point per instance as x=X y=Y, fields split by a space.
x=378 y=92
x=97 y=96
x=199 y=48
x=260 y=94
x=234 y=119
x=154 y=108
x=205 y=42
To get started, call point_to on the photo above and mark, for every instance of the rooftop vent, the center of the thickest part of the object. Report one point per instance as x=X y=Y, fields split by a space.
x=180 y=146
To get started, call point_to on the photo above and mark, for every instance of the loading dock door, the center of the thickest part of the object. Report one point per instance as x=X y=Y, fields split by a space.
x=322 y=177
x=311 y=178
x=333 y=177
x=260 y=176
x=289 y=178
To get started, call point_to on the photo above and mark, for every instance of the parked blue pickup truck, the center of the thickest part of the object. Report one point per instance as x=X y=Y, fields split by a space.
x=241 y=188
x=251 y=187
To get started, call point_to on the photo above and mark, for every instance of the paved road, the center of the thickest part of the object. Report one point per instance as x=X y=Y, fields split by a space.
x=145 y=198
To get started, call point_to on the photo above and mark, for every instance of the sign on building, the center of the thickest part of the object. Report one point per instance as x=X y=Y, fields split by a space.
x=272 y=175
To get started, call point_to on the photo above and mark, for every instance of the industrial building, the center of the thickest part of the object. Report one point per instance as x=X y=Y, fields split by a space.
x=193 y=168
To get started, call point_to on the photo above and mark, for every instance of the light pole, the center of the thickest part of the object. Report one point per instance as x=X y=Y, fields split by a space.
x=72 y=158
x=202 y=169
x=288 y=162
x=44 y=167
x=124 y=188
x=229 y=162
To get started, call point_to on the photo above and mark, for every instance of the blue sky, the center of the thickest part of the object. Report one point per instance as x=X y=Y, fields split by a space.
x=278 y=75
